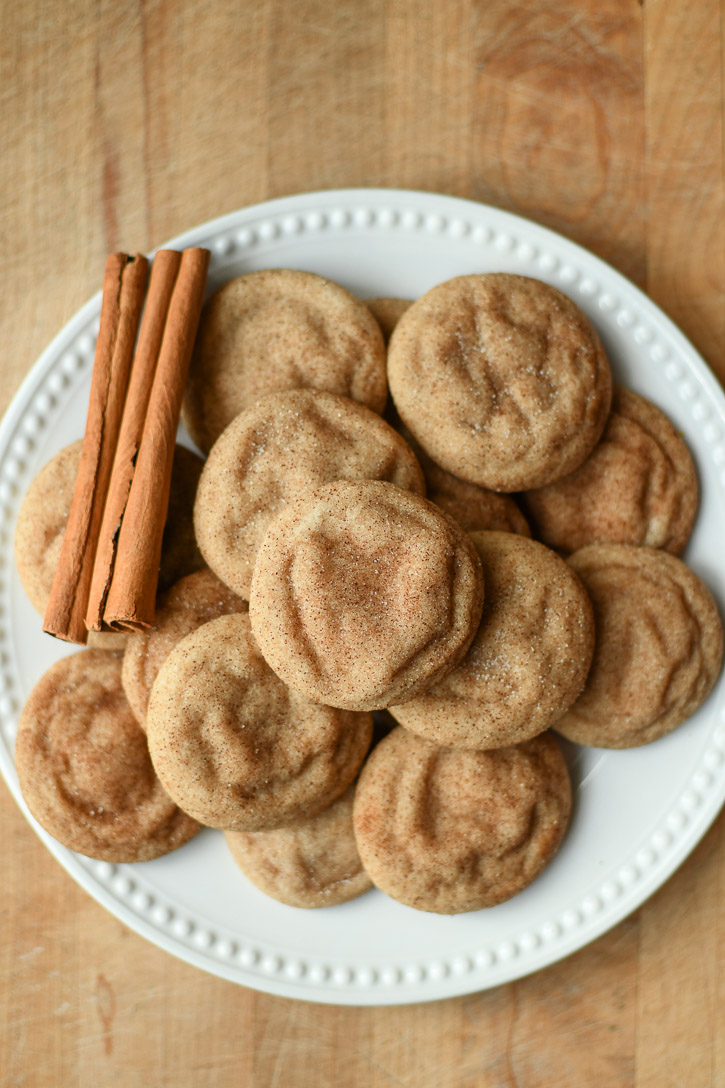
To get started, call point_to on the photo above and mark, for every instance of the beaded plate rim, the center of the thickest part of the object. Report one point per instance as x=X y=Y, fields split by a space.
x=228 y=955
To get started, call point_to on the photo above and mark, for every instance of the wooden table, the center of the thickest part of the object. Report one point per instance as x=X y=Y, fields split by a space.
x=126 y=122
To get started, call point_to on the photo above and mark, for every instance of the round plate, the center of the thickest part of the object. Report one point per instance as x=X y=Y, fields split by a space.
x=637 y=813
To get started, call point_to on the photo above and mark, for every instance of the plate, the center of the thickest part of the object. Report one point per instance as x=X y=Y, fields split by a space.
x=637 y=813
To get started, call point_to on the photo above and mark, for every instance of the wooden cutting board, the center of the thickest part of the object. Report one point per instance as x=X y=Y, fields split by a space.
x=126 y=122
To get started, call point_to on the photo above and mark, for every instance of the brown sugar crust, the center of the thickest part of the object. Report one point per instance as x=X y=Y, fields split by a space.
x=638 y=486
x=235 y=746
x=193 y=601
x=387 y=312
x=314 y=863
x=501 y=379
x=659 y=646
x=530 y=657
x=364 y=595
x=280 y=329
x=44 y=513
x=285 y=445
x=84 y=767
x=450 y=830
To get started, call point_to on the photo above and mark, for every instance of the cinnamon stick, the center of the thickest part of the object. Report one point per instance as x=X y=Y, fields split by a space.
x=123 y=292
x=132 y=593
x=164 y=271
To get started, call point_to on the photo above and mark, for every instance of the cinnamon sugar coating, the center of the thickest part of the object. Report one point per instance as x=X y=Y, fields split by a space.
x=638 y=486
x=659 y=646
x=84 y=767
x=449 y=830
x=364 y=595
x=280 y=329
x=285 y=445
x=530 y=657
x=501 y=379
x=313 y=863
x=193 y=601
x=237 y=748
x=387 y=312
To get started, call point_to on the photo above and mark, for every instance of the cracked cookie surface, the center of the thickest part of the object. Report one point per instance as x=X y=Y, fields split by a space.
x=284 y=446
x=449 y=830
x=528 y=661
x=236 y=747
x=364 y=595
x=501 y=379
x=280 y=329
x=659 y=646
x=84 y=766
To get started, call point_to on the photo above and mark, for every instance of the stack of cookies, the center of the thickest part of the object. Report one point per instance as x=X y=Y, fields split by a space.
x=536 y=589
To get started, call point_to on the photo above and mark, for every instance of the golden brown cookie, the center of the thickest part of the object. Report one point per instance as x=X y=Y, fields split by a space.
x=638 y=486
x=235 y=746
x=659 y=646
x=44 y=513
x=280 y=329
x=285 y=445
x=387 y=312
x=501 y=379
x=84 y=767
x=193 y=601
x=449 y=830
x=314 y=863
x=530 y=657
x=364 y=595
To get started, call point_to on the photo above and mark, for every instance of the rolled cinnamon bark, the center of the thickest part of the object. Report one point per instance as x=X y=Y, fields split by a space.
x=164 y=271
x=124 y=286
x=132 y=592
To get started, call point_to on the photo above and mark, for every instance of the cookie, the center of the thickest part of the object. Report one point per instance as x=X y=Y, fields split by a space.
x=280 y=329
x=659 y=646
x=638 y=486
x=287 y=444
x=387 y=312
x=501 y=379
x=84 y=767
x=44 y=513
x=314 y=863
x=449 y=830
x=530 y=657
x=237 y=748
x=364 y=595
x=193 y=601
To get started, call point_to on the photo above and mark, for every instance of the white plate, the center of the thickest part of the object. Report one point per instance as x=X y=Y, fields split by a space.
x=637 y=814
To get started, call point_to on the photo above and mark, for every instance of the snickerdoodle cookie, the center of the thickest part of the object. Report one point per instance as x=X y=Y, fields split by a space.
x=44 y=513
x=501 y=379
x=449 y=830
x=313 y=863
x=659 y=645
x=638 y=486
x=280 y=329
x=387 y=312
x=285 y=445
x=528 y=661
x=84 y=767
x=364 y=595
x=234 y=746
x=193 y=601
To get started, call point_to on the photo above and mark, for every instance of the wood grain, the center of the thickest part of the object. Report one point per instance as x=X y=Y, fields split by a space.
x=127 y=122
